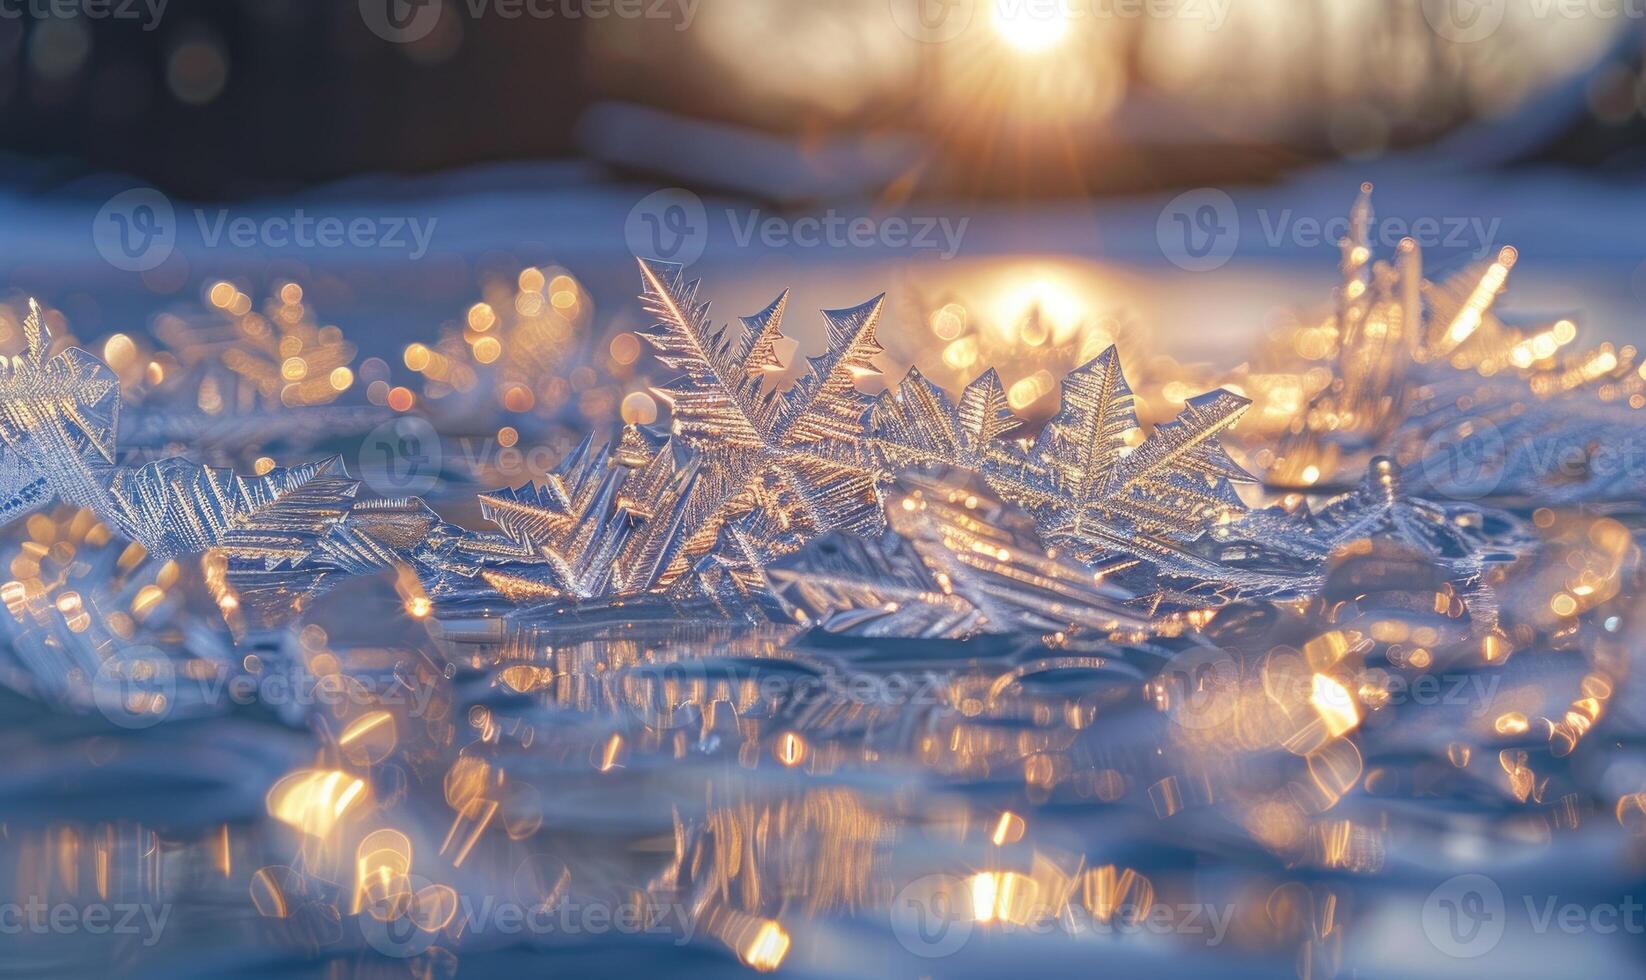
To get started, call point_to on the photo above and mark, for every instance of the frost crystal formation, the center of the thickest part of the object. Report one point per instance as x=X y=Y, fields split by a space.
x=1087 y=486
x=1431 y=375
x=908 y=513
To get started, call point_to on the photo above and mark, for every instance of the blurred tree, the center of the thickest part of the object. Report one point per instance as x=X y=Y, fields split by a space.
x=221 y=98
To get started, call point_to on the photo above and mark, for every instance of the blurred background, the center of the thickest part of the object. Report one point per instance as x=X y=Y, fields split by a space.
x=1028 y=179
x=225 y=99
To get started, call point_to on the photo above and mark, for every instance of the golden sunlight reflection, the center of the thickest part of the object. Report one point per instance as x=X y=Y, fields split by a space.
x=1037 y=75
x=315 y=801
x=765 y=951
x=1033 y=321
x=369 y=738
x=1020 y=90
x=1029 y=27
x=1001 y=896
x=275 y=891
x=1335 y=705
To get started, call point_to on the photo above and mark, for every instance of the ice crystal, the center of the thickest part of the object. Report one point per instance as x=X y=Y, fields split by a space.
x=916 y=424
x=598 y=526
x=1429 y=373
x=1571 y=435
x=1294 y=543
x=175 y=507
x=319 y=534
x=1088 y=487
x=22 y=489
x=793 y=454
x=58 y=419
x=1458 y=537
x=1092 y=523
x=92 y=621
x=955 y=560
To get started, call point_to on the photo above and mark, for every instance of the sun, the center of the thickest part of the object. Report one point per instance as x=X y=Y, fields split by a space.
x=1030 y=27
